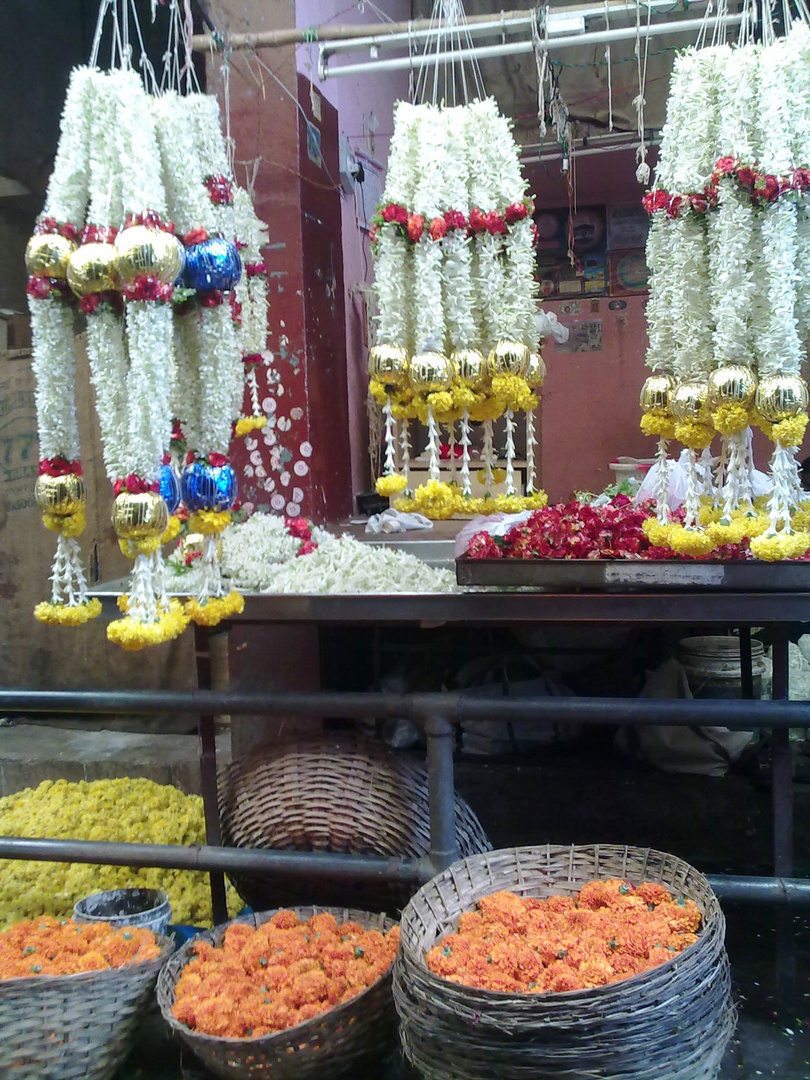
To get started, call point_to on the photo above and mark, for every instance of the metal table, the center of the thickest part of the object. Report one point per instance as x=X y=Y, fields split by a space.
x=437 y=714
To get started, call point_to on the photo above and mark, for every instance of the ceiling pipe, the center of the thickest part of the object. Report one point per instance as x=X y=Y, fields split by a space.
x=516 y=48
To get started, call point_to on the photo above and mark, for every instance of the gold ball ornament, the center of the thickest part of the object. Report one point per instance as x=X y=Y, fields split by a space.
x=60 y=495
x=389 y=364
x=536 y=371
x=192 y=545
x=689 y=400
x=656 y=393
x=470 y=367
x=140 y=516
x=429 y=372
x=144 y=252
x=91 y=269
x=509 y=358
x=779 y=397
x=47 y=254
x=732 y=384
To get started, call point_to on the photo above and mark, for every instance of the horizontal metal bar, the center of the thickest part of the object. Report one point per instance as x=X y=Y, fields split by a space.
x=207 y=858
x=516 y=48
x=760 y=890
x=454 y=707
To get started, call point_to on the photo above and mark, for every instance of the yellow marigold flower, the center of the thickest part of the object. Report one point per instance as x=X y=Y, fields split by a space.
x=67 y=614
x=132 y=634
x=513 y=393
x=687 y=541
x=435 y=500
x=71 y=525
x=215 y=609
x=772 y=547
x=172 y=531
x=790 y=432
x=405 y=506
x=148 y=546
x=658 y=532
x=801 y=517
x=377 y=391
x=708 y=513
x=498 y=476
x=246 y=424
x=441 y=401
x=390 y=485
x=730 y=418
x=660 y=426
x=732 y=531
x=488 y=408
x=209 y=522
x=693 y=434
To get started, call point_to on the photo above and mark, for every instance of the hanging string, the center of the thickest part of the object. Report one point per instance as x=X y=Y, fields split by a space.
x=541 y=63
x=609 y=68
x=643 y=169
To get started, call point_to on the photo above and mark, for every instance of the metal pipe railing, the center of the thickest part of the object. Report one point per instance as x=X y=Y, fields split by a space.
x=453 y=707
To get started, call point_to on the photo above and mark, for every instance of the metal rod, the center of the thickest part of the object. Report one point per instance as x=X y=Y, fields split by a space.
x=441 y=792
x=777 y=890
x=515 y=48
x=219 y=859
x=457 y=707
x=206 y=730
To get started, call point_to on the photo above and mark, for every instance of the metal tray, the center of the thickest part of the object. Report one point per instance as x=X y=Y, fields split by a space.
x=627 y=575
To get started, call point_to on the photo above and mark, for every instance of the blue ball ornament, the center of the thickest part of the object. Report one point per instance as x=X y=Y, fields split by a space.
x=208 y=487
x=212 y=264
x=169 y=487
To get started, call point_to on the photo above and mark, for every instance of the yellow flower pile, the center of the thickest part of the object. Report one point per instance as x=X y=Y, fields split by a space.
x=246 y=424
x=658 y=425
x=387 y=486
x=440 y=501
x=137 y=811
x=67 y=614
x=132 y=634
x=215 y=609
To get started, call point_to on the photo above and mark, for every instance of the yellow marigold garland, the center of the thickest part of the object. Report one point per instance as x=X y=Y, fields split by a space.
x=70 y=525
x=772 y=547
x=658 y=532
x=662 y=427
x=692 y=433
x=730 y=418
x=209 y=522
x=215 y=609
x=789 y=432
x=148 y=546
x=387 y=486
x=67 y=614
x=498 y=476
x=435 y=500
x=246 y=424
x=172 y=531
x=513 y=392
x=132 y=634
x=687 y=541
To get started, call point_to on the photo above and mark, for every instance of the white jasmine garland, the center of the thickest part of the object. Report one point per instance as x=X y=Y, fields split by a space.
x=737 y=104
x=777 y=338
x=188 y=200
x=66 y=198
x=455 y=168
x=186 y=398
x=775 y=114
x=660 y=352
x=799 y=89
x=491 y=282
x=204 y=113
x=219 y=381
x=251 y=291
x=691 y=314
x=429 y=327
x=400 y=181
x=430 y=196
x=149 y=329
x=107 y=353
x=802 y=309
x=520 y=288
x=460 y=307
x=688 y=140
x=105 y=197
x=732 y=282
x=54 y=366
x=393 y=284
x=138 y=154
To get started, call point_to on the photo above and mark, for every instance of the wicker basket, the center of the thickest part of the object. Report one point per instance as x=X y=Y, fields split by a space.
x=671 y=1023
x=74 y=1027
x=345 y=794
x=329 y=1045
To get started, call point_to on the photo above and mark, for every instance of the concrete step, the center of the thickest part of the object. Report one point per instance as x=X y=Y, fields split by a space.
x=31 y=753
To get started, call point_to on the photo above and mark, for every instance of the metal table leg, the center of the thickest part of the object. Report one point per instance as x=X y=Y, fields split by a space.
x=782 y=801
x=208 y=773
x=441 y=792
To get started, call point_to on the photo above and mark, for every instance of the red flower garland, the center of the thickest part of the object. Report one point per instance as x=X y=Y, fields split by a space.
x=254 y=269
x=148 y=288
x=220 y=190
x=151 y=219
x=51 y=225
x=59 y=466
x=99 y=234
x=135 y=485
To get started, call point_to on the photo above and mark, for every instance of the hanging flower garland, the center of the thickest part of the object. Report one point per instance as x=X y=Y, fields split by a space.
x=251 y=295
x=60 y=491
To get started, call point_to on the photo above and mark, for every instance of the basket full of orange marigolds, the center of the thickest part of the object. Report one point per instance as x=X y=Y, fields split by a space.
x=544 y=962
x=71 y=996
x=291 y=994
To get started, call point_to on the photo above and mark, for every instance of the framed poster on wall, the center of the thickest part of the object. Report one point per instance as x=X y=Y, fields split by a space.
x=627 y=227
x=628 y=273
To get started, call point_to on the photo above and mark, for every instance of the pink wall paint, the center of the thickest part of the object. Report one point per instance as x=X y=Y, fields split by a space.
x=359 y=100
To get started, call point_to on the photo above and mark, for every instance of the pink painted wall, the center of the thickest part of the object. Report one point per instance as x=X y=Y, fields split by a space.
x=362 y=102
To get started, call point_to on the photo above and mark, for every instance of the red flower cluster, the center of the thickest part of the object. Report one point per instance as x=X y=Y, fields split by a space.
x=151 y=219
x=607 y=932
x=698 y=202
x=394 y=213
x=220 y=190
x=438 y=228
x=135 y=485
x=492 y=222
x=415 y=227
x=94 y=301
x=571 y=531
x=236 y=309
x=253 y=269
x=515 y=212
x=252 y=359
x=454 y=219
x=216 y=461
x=211 y=298
x=59 y=466
x=279 y=975
x=195 y=236
x=148 y=288
x=300 y=529
x=43 y=288
x=99 y=234
x=51 y=225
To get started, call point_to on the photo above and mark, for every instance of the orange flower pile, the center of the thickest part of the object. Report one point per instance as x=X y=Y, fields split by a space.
x=279 y=975
x=63 y=947
x=609 y=931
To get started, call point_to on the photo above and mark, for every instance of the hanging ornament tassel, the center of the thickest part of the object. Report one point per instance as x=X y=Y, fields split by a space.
x=736 y=490
x=390 y=462
x=707 y=463
x=405 y=453
x=465 y=454
x=451 y=442
x=509 y=418
x=662 y=482
x=433 y=446
x=488 y=454
x=692 y=501
x=531 y=443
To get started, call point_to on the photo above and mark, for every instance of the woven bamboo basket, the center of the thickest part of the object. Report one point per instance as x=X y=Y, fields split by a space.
x=74 y=1027
x=345 y=794
x=330 y=1045
x=671 y=1023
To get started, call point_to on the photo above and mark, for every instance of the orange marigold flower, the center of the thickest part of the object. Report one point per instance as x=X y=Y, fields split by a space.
x=284 y=920
x=683 y=915
x=652 y=892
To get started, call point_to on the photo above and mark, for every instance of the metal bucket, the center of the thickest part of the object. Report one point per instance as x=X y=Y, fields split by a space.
x=144 y=908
